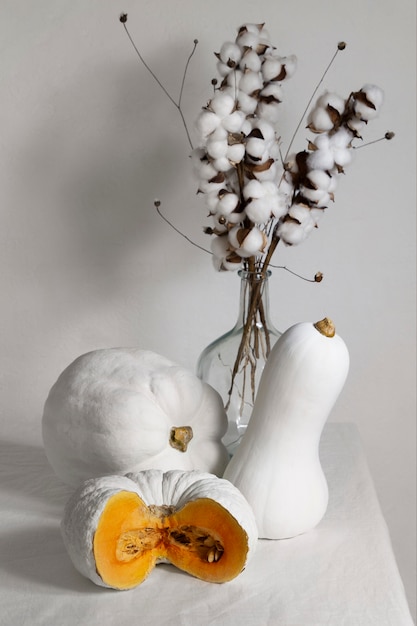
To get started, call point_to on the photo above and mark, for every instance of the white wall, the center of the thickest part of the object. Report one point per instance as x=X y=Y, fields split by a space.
x=88 y=140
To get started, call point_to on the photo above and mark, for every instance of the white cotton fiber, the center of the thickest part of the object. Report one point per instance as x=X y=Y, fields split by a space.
x=271 y=68
x=291 y=232
x=332 y=99
x=236 y=152
x=233 y=122
x=217 y=148
x=320 y=120
x=222 y=104
x=257 y=149
x=251 y=61
x=227 y=203
x=374 y=94
x=290 y=63
x=250 y=82
x=230 y=53
x=321 y=159
x=206 y=123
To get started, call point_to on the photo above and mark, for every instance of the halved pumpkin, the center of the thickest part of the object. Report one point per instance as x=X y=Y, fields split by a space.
x=115 y=535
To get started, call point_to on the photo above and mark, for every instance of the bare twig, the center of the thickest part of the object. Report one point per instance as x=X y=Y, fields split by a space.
x=157 y=205
x=123 y=20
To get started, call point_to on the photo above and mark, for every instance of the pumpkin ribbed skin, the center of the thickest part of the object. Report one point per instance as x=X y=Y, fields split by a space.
x=117 y=410
x=165 y=513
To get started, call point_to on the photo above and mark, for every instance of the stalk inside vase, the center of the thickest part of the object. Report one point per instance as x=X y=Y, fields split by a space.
x=233 y=363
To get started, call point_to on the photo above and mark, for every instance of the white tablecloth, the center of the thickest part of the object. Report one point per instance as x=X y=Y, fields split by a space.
x=343 y=573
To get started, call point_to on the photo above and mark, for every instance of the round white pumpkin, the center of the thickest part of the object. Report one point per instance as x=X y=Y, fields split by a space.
x=119 y=410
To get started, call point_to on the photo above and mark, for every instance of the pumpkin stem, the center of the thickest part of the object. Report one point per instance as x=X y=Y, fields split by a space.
x=326 y=327
x=180 y=437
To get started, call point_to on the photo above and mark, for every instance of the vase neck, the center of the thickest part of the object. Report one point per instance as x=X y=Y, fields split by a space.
x=254 y=292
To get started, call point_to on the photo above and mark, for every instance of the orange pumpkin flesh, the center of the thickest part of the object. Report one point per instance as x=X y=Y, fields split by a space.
x=202 y=538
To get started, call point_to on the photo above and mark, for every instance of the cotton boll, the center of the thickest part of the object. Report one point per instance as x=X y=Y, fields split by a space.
x=313 y=195
x=258 y=210
x=236 y=152
x=373 y=94
x=271 y=68
x=272 y=91
x=279 y=205
x=300 y=212
x=333 y=100
x=206 y=123
x=210 y=186
x=320 y=120
x=222 y=164
x=291 y=232
x=253 y=244
x=232 y=82
x=267 y=130
x=228 y=203
x=268 y=111
x=247 y=104
x=222 y=104
x=220 y=246
x=233 y=236
x=322 y=142
x=341 y=139
x=364 y=112
x=222 y=254
x=267 y=175
x=253 y=189
x=233 y=122
x=356 y=125
x=212 y=201
x=230 y=54
x=319 y=179
x=247 y=242
x=250 y=82
x=316 y=214
x=223 y=69
x=223 y=259
x=205 y=170
x=257 y=149
x=250 y=61
x=236 y=218
x=324 y=201
x=342 y=156
x=321 y=160
x=217 y=148
x=290 y=63
x=248 y=40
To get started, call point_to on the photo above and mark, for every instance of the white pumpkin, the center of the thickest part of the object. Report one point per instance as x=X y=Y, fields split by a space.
x=277 y=465
x=117 y=528
x=118 y=410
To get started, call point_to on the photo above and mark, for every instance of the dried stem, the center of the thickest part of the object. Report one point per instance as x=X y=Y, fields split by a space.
x=123 y=19
x=157 y=205
x=341 y=46
x=388 y=136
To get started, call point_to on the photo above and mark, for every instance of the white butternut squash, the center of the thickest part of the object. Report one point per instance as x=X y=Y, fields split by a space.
x=277 y=465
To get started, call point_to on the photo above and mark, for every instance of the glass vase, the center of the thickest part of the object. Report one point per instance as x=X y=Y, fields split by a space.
x=233 y=363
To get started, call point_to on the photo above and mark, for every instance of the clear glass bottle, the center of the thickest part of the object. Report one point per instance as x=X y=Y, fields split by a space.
x=233 y=363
